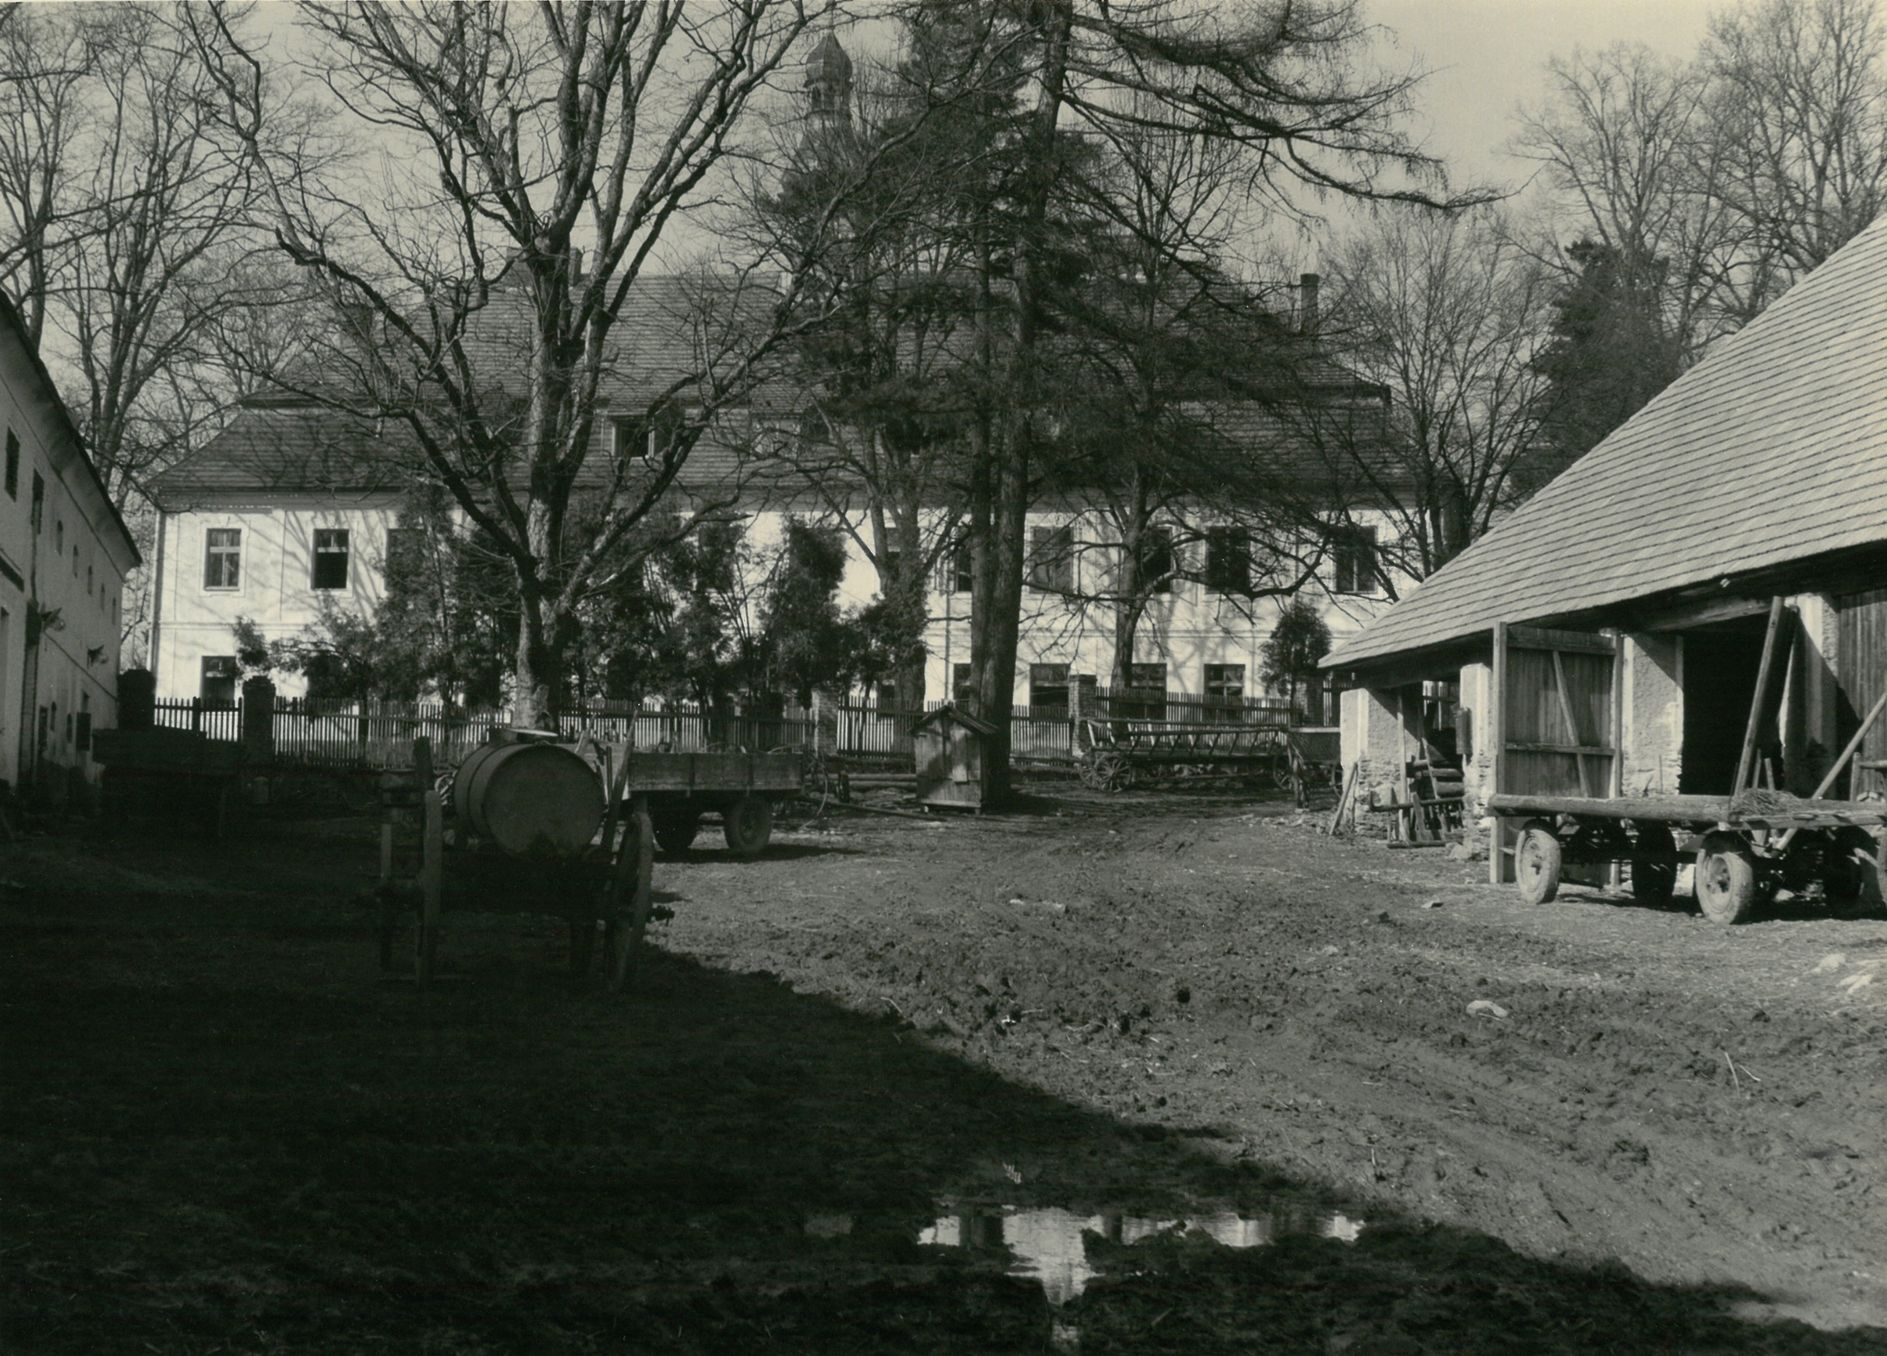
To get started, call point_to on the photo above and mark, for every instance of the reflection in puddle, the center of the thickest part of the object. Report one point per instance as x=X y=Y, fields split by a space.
x=1050 y=1243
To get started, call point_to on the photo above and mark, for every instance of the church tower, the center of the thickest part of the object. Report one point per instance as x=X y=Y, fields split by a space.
x=828 y=87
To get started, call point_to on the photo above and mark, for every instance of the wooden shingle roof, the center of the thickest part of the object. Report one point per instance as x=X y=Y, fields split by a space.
x=1771 y=450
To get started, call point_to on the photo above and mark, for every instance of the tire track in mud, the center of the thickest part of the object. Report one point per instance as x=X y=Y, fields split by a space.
x=1292 y=994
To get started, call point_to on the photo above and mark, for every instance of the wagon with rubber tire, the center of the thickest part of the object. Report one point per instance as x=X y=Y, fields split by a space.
x=682 y=789
x=1742 y=855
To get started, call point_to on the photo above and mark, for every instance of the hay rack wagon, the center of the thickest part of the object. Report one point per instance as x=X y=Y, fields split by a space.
x=1114 y=755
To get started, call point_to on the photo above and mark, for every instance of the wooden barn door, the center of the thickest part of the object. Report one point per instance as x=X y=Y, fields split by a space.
x=1555 y=700
x=1861 y=671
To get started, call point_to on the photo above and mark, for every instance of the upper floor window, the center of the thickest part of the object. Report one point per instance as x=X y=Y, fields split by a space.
x=330 y=558
x=39 y=502
x=651 y=437
x=1157 y=563
x=1051 y=564
x=1228 y=561
x=13 y=465
x=956 y=572
x=222 y=558
x=1354 y=551
x=59 y=536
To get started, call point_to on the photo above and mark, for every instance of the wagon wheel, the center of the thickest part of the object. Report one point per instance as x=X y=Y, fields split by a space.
x=1538 y=857
x=747 y=825
x=1847 y=881
x=1112 y=772
x=1653 y=882
x=1728 y=883
x=675 y=830
x=1283 y=774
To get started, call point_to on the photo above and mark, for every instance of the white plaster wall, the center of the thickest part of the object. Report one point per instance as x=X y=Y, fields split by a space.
x=1186 y=629
x=71 y=569
x=275 y=589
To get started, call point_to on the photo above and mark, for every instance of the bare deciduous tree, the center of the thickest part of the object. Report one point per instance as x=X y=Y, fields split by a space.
x=1447 y=315
x=545 y=133
x=1799 y=116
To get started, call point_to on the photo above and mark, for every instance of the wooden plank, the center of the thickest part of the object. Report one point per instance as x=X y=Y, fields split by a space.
x=1745 y=763
x=1572 y=721
x=1664 y=809
x=1595 y=750
x=1546 y=638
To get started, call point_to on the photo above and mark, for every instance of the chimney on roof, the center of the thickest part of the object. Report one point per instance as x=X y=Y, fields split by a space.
x=1307 y=285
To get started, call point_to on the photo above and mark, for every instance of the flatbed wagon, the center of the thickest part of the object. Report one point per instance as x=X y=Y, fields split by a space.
x=742 y=788
x=1744 y=849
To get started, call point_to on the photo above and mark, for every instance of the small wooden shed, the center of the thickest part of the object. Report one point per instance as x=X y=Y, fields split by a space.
x=952 y=758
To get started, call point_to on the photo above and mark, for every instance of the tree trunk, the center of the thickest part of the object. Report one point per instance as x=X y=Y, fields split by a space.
x=1002 y=485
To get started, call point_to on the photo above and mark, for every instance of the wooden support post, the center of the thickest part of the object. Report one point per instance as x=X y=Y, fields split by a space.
x=1834 y=770
x=1746 y=763
x=1496 y=737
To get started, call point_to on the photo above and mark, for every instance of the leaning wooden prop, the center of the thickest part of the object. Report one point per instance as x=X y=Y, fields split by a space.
x=530 y=830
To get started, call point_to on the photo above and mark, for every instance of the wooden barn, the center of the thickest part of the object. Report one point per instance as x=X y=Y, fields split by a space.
x=1694 y=611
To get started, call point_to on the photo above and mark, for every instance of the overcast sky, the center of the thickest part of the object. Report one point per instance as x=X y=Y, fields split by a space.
x=1486 y=56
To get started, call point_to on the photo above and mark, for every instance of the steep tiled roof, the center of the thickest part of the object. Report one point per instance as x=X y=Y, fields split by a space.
x=284 y=441
x=1772 y=449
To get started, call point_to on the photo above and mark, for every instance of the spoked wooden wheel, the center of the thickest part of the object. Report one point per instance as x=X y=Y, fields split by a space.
x=1112 y=772
x=1538 y=857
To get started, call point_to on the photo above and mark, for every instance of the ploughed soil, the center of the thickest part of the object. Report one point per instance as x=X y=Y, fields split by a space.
x=1112 y=1074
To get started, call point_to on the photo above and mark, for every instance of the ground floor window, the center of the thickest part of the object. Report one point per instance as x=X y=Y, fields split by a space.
x=1225 y=682
x=962 y=689
x=1145 y=698
x=1048 y=687
x=219 y=680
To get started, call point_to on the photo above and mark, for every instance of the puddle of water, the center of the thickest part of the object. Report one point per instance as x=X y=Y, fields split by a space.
x=1049 y=1243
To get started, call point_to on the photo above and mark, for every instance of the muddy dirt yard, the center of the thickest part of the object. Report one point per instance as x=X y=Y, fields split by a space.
x=1148 y=1073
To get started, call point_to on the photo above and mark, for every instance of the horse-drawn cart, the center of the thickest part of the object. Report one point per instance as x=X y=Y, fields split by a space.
x=1744 y=850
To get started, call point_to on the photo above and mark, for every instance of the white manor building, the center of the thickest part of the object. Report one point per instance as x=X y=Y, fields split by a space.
x=289 y=510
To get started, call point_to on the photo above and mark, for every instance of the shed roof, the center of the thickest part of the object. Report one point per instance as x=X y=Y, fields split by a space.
x=951 y=714
x=1771 y=450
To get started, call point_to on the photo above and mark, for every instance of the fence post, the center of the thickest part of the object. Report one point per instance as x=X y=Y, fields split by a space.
x=258 y=719
x=825 y=722
x=137 y=699
x=196 y=715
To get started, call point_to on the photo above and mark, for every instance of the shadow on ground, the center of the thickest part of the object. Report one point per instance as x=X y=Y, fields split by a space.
x=226 y=1131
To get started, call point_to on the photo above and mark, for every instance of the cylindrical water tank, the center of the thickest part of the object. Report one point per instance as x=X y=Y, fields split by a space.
x=531 y=800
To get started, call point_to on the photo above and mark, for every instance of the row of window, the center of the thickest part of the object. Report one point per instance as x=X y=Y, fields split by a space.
x=1051 y=562
x=222 y=558
x=94 y=588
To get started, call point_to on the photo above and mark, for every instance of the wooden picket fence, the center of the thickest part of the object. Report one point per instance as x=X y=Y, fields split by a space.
x=362 y=735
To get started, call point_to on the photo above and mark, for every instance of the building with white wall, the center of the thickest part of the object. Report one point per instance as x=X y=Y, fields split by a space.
x=64 y=554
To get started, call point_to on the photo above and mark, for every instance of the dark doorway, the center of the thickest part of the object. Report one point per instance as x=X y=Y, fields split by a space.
x=1720 y=664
